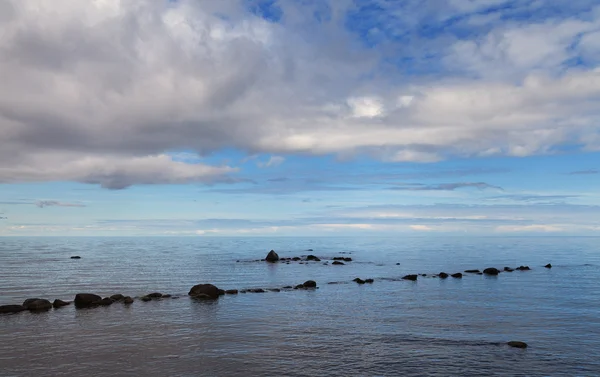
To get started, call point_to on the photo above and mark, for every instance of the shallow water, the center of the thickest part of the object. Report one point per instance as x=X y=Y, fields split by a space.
x=431 y=327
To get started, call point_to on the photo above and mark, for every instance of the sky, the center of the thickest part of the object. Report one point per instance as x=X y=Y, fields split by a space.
x=299 y=117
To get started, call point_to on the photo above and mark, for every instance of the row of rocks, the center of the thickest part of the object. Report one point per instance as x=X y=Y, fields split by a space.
x=488 y=271
x=212 y=292
x=273 y=257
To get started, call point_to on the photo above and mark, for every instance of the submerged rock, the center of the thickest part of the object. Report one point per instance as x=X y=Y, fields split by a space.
x=443 y=275
x=117 y=297
x=106 y=301
x=410 y=277
x=275 y=290
x=369 y=281
x=256 y=290
x=4 y=309
x=60 y=303
x=508 y=269
x=37 y=304
x=337 y=263
x=127 y=300
x=491 y=271
x=204 y=289
x=231 y=291
x=548 y=265
x=86 y=300
x=457 y=275
x=272 y=256
x=359 y=281
x=472 y=271
x=155 y=295
x=523 y=268
x=75 y=257
x=517 y=344
x=313 y=258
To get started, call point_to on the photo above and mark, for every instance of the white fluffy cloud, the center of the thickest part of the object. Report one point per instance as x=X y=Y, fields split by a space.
x=99 y=91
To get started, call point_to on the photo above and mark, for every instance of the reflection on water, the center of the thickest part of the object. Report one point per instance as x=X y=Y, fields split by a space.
x=429 y=327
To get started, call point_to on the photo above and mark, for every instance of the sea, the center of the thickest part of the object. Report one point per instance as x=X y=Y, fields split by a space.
x=392 y=327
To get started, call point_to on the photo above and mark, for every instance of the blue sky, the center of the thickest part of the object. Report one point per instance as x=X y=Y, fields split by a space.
x=300 y=117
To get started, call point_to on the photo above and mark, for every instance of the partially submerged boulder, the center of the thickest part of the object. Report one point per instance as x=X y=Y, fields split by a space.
x=127 y=300
x=443 y=275
x=86 y=300
x=523 y=268
x=310 y=284
x=337 y=263
x=117 y=297
x=272 y=257
x=37 y=304
x=60 y=303
x=472 y=271
x=517 y=344
x=548 y=265
x=5 y=309
x=208 y=290
x=411 y=277
x=491 y=271
x=457 y=275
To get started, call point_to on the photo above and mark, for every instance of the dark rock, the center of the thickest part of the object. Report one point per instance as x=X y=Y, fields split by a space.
x=231 y=291
x=244 y=291
x=117 y=297
x=37 y=304
x=410 y=277
x=457 y=275
x=127 y=300
x=443 y=275
x=203 y=296
x=60 y=303
x=359 y=281
x=397 y=264
x=166 y=296
x=11 y=309
x=508 y=269
x=296 y=259
x=480 y=273
x=313 y=258
x=86 y=300
x=272 y=257
x=517 y=344
x=310 y=284
x=523 y=268
x=337 y=263
x=275 y=290
x=299 y=286
x=369 y=281
x=548 y=265
x=288 y=287
x=310 y=250
x=256 y=290
x=491 y=271
x=75 y=257
x=345 y=259
x=155 y=295
x=146 y=298
x=221 y=292
x=106 y=301
x=472 y=271
x=423 y=275
x=206 y=289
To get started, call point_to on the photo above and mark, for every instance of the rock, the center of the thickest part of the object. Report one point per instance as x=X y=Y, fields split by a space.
x=272 y=257
x=127 y=300
x=548 y=265
x=146 y=298
x=75 y=257
x=154 y=295
x=299 y=286
x=86 y=300
x=256 y=290
x=4 y=309
x=472 y=271
x=345 y=259
x=206 y=289
x=288 y=287
x=517 y=344
x=457 y=275
x=359 y=281
x=313 y=258
x=310 y=250
x=106 y=301
x=221 y=292
x=337 y=263
x=37 y=304
x=310 y=284
x=491 y=271
x=523 y=268
x=60 y=303
x=508 y=269
x=117 y=297
x=410 y=277
x=275 y=290
x=296 y=259
x=203 y=296
x=443 y=275
x=231 y=291
x=424 y=275
x=166 y=296
x=397 y=264
x=369 y=281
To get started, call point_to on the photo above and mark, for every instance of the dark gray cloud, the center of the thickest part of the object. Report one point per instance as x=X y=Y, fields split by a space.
x=54 y=203
x=445 y=186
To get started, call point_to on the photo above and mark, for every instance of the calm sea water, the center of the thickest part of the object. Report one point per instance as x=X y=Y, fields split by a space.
x=431 y=327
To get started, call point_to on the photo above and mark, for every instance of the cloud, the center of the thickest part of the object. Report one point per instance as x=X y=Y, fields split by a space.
x=446 y=186
x=530 y=228
x=534 y=198
x=54 y=203
x=99 y=91
x=584 y=172
x=421 y=228
x=272 y=162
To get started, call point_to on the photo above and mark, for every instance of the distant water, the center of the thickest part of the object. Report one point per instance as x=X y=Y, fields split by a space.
x=431 y=327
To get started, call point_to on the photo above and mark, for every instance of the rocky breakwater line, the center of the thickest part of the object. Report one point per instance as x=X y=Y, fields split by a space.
x=273 y=257
x=212 y=292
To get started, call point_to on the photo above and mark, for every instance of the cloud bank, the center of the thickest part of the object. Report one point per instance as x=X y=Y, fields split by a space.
x=99 y=91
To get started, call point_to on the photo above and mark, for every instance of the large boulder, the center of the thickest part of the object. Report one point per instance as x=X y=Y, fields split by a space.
x=86 y=300
x=37 y=304
x=60 y=303
x=272 y=257
x=117 y=297
x=11 y=308
x=310 y=284
x=443 y=275
x=491 y=271
x=205 y=291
